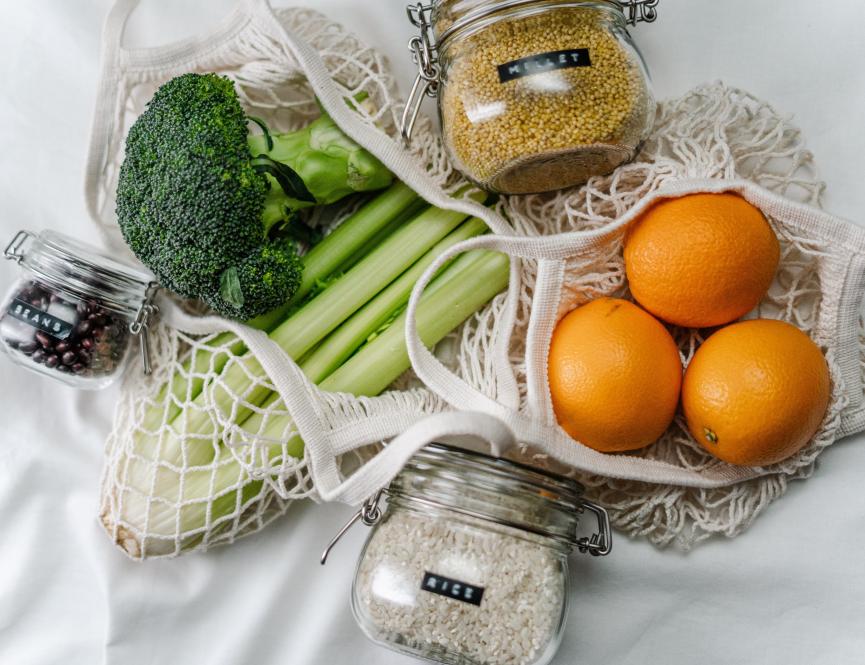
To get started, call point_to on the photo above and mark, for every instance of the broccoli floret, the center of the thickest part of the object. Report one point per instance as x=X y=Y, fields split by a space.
x=261 y=278
x=201 y=202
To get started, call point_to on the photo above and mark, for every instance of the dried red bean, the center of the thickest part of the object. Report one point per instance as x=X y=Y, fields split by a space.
x=95 y=346
x=45 y=340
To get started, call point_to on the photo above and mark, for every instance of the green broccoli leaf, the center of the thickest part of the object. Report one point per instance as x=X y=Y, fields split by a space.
x=229 y=287
x=290 y=182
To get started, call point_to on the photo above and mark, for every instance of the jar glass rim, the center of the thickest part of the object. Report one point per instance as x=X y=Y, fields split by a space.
x=570 y=490
x=475 y=16
x=493 y=489
x=84 y=271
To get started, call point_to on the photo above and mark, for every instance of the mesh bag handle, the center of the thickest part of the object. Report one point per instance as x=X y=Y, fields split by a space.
x=179 y=55
x=380 y=470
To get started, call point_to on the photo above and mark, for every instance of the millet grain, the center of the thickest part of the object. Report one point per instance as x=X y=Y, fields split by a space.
x=532 y=132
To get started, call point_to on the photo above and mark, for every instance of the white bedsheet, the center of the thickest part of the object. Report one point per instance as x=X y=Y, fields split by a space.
x=790 y=591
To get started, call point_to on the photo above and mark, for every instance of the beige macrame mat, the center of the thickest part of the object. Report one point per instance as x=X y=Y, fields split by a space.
x=229 y=485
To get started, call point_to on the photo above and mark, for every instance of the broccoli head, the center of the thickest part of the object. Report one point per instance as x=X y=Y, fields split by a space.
x=204 y=204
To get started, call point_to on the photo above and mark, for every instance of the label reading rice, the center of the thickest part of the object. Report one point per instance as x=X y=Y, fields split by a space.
x=445 y=586
x=544 y=62
x=31 y=315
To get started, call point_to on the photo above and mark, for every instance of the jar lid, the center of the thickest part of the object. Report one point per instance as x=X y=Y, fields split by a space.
x=81 y=270
x=493 y=489
x=452 y=16
x=512 y=475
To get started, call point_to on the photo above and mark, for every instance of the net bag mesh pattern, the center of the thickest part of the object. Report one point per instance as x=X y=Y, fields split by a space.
x=171 y=484
x=185 y=473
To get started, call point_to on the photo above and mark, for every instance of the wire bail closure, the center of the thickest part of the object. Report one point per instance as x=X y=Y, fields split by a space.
x=600 y=543
x=641 y=11
x=140 y=326
x=369 y=513
x=13 y=249
x=425 y=56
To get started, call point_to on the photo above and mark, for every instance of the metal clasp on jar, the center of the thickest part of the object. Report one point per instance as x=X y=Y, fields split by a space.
x=425 y=56
x=13 y=249
x=640 y=11
x=425 y=49
x=141 y=325
x=600 y=543
x=369 y=513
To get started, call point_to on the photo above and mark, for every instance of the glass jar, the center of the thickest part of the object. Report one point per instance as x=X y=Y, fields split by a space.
x=533 y=95
x=72 y=313
x=469 y=563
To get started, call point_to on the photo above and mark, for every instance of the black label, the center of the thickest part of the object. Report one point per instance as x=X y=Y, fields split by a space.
x=24 y=311
x=445 y=586
x=544 y=62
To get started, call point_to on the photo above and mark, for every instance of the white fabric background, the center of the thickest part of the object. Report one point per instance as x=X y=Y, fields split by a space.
x=791 y=590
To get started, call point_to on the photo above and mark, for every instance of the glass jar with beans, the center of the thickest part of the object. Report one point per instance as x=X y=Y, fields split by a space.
x=74 y=311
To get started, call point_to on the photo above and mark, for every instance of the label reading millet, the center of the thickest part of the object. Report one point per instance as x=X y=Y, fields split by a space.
x=445 y=586
x=544 y=62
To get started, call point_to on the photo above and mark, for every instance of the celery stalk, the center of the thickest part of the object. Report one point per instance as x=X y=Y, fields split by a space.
x=297 y=335
x=346 y=339
x=462 y=289
x=465 y=287
x=349 y=239
x=315 y=320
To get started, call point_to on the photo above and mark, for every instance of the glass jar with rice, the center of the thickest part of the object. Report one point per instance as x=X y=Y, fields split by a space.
x=469 y=561
x=533 y=95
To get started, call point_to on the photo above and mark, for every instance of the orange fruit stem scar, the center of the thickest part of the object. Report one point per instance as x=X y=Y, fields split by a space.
x=756 y=392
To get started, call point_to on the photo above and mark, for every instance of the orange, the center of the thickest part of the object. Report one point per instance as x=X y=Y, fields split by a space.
x=756 y=392
x=701 y=260
x=615 y=375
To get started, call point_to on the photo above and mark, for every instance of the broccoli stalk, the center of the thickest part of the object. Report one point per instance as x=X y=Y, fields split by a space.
x=206 y=205
x=317 y=154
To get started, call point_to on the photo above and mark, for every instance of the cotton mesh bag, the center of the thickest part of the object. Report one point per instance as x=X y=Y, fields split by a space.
x=228 y=465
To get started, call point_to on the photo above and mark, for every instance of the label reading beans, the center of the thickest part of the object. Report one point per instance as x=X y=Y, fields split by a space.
x=544 y=62
x=24 y=311
x=445 y=586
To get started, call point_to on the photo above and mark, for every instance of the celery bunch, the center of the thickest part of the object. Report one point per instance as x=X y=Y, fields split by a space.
x=348 y=337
